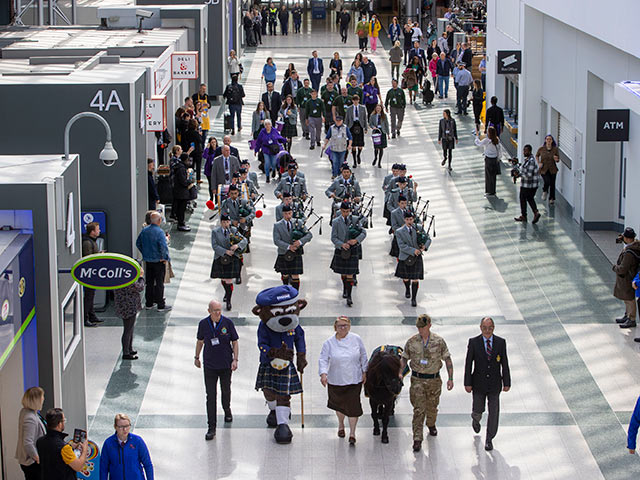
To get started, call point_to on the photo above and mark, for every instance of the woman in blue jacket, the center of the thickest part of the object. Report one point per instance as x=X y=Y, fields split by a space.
x=269 y=72
x=125 y=456
x=268 y=141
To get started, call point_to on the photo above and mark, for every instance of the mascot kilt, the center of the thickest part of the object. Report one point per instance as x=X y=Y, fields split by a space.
x=279 y=333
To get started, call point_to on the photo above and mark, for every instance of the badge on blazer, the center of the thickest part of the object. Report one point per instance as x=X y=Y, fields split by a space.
x=224 y=330
x=498 y=359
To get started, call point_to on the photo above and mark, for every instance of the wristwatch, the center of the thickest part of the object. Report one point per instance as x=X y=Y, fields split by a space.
x=197 y=358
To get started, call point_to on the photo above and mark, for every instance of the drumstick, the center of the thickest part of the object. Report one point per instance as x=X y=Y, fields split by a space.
x=301 y=403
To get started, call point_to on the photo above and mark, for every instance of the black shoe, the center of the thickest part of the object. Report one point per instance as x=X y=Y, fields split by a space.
x=536 y=217
x=476 y=426
x=355 y=165
x=359 y=160
x=628 y=324
x=376 y=431
x=393 y=135
x=228 y=418
x=433 y=431
x=87 y=323
x=318 y=144
x=622 y=319
x=228 y=305
x=233 y=132
x=417 y=445
x=273 y=174
x=407 y=294
x=129 y=357
x=96 y=320
x=637 y=339
x=349 y=301
x=238 y=280
x=443 y=162
x=373 y=164
x=312 y=147
x=488 y=446
x=210 y=434
x=398 y=132
x=344 y=294
x=268 y=181
x=414 y=303
x=272 y=421
x=133 y=352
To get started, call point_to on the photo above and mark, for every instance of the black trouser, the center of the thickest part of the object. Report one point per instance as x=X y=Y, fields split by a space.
x=197 y=164
x=527 y=195
x=89 y=312
x=154 y=278
x=343 y=33
x=127 y=334
x=493 y=401
x=272 y=27
x=248 y=33
x=284 y=28
x=477 y=111
x=32 y=472
x=181 y=206
x=211 y=377
x=447 y=151
x=549 y=184
x=491 y=171
x=362 y=42
x=461 y=98
x=258 y=34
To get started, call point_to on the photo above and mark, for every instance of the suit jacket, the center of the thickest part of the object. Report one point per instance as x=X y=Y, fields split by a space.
x=384 y=123
x=467 y=58
x=233 y=151
x=217 y=170
x=340 y=230
x=397 y=219
x=297 y=187
x=30 y=428
x=287 y=90
x=392 y=202
x=310 y=67
x=362 y=117
x=407 y=242
x=282 y=236
x=340 y=186
x=221 y=243
x=274 y=108
x=487 y=375
x=232 y=208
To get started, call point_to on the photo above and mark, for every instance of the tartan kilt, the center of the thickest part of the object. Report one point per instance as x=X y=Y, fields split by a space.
x=289 y=131
x=349 y=266
x=358 y=140
x=231 y=270
x=395 y=250
x=282 y=382
x=294 y=267
x=414 y=272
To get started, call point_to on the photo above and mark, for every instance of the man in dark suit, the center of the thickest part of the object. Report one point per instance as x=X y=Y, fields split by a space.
x=467 y=55
x=495 y=117
x=226 y=140
x=272 y=102
x=291 y=86
x=487 y=356
x=315 y=69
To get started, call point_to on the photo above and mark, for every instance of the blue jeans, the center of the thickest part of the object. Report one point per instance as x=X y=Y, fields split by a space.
x=236 y=111
x=270 y=163
x=337 y=159
x=443 y=85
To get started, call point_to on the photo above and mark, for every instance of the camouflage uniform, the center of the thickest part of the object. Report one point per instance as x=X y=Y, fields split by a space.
x=425 y=393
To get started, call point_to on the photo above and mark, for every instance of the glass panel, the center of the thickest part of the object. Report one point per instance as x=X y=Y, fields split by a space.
x=70 y=325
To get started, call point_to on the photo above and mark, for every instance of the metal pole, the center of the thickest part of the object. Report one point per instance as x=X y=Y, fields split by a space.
x=74 y=12
x=77 y=117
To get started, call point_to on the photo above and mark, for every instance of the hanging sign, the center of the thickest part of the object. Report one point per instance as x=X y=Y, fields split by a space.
x=184 y=65
x=156 y=113
x=105 y=271
x=612 y=125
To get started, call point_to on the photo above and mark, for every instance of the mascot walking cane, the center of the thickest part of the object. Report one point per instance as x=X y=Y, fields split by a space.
x=279 y=333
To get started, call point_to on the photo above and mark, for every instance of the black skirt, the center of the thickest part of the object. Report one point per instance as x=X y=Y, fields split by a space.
x=294 y=267
x=395 y=251
x=345 y=399
x=349 y=266
x=410 y=272
x=289 y=131
x=230 y=270
x=358 y=137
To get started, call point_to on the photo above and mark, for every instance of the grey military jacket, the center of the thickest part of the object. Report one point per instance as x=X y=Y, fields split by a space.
x=397 y=218
x=340 y=186
x=253 y=177
x=282 y=236
x=362 y=117
x=231 y=208
x=296 y=186
x=392 y=202
x=221 y=242
x=407 y=242
x=340 y=230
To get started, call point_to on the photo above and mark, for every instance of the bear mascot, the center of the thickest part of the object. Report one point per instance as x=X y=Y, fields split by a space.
x=279 y=333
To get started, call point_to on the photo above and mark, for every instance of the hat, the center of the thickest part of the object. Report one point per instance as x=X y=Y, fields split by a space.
x=224 y=217
x=292 y=165
x=629 y=233
x=408 y=214
x=233 y=188
x=242 y=171
x=345 y=166
x=462 y=64
x=236 y=174
x=244 y=162
x=402 y=166
x=286 y=194
x=402 y=180
x=402 y=198
x=345 y=206
x=287 y=208
x=423 y=320
x=395 y=166
x=274 y=296
x=339 y=117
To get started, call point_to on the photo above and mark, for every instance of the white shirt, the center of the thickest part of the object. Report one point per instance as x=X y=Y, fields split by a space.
x=344 y=361
x=417 y=33
x=490 y=150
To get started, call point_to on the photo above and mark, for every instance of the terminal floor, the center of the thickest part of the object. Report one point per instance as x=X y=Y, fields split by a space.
x=548 y=286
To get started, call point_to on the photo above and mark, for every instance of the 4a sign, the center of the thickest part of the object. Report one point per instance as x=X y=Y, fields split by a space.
x=106 y=271
x=184 y=65
x=612 y=125
x=156 y=114
x=509 y=61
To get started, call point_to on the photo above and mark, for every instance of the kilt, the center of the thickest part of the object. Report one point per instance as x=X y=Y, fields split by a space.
x=282 y=382
x=395 y=250
x=345 y=399
x=289 y=131
x=231 y=270
x=414 y=272
x=386 y=213
x=358 y=140
x=349 y=266
x=294 y=267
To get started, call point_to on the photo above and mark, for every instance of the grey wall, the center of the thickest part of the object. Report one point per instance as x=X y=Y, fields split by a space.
x=42 y=131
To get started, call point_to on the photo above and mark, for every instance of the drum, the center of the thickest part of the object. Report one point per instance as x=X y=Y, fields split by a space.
x=223 y=193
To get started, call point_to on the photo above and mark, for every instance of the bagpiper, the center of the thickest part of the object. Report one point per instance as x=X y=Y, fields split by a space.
x=412 y=242
x=343 y=187
x=228 y=245
x=292 y=183
x=289 y=236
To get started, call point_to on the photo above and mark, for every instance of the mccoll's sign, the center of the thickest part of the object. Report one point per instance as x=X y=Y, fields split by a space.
x=106 y=271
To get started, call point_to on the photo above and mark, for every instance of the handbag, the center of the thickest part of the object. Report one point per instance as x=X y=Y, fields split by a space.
x=274 y=149
x=168 y=273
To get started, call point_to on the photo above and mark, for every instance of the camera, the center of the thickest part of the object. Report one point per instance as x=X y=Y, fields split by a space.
x=515 y=171
x=620 y=238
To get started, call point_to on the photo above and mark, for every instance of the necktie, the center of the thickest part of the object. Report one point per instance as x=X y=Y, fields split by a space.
x=288 y=226
x=355 y=112
x=226 y=232
x=489 y=351
x=315 y=63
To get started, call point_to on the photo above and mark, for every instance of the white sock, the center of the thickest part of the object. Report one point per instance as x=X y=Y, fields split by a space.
x=271 y=404
x=282 y=415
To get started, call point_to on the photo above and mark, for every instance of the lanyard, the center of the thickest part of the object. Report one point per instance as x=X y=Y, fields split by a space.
x=214 y=330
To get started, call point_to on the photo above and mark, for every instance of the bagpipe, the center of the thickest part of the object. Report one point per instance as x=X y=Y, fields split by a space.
x=300 y=229
x=421 y=215
x=302 y=208
x=364 y=220
x=234 y=239
x=242 y=211
x=364 y=210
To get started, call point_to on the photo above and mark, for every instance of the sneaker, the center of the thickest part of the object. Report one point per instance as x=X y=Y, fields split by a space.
x=87 y=323
x=184 y=228
x=628 y=324
x=149 y=307
x=622 y=319
x=166 y=308
x=545 y=195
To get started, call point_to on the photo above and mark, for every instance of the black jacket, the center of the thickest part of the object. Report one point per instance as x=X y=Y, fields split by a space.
x=487 y=375
x=495 y=116
x=445 y=125
x=152 y=191
x=189 y=137
x=180 y=181
x=233 y=151
x=467 y=58
x=276 y=103
x=233 y=94
x=286 y=88
x=49 y=450
x=369 y=70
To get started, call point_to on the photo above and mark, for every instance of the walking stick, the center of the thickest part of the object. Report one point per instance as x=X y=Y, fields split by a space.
x=301 y=403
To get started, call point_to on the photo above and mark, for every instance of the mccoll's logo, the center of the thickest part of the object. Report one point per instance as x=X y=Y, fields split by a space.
x=106 y=271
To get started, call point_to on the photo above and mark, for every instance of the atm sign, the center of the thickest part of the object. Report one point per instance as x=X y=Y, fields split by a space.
x=184 y=65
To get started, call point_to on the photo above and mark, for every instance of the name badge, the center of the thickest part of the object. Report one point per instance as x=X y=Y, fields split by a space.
x=271 y=141
x=315 y=111
x=447 y=132
x=215 y=341
x=424 y=361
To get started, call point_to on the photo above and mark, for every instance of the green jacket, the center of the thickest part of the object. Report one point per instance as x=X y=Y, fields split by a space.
x=302 y=95
x=328 y=97
x=351 y=91
x=340 y=103
x=314 y=108
x=395 y=98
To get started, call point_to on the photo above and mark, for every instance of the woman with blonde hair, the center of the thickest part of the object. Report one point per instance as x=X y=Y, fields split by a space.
x=30 y=428
x=342 y=368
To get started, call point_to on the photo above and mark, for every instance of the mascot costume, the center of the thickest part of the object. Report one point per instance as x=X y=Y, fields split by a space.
x=278 y=333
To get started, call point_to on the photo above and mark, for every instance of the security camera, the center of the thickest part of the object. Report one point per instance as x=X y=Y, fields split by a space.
x=143 y=13
x=108 y=155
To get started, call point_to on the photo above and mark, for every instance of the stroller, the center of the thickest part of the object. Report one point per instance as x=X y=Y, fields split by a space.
x=427 y=93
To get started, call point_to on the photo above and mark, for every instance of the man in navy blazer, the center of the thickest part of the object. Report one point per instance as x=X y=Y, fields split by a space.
x=315 y=69
x=486 y=374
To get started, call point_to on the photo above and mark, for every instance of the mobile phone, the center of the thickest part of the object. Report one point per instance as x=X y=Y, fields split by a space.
x=193 y=145
x=79 y=435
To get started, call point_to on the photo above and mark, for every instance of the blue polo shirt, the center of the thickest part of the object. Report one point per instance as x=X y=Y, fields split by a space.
x=218 y=351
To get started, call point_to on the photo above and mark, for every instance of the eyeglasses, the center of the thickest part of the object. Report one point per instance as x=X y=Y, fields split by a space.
x=123 y=427
x=343 y=326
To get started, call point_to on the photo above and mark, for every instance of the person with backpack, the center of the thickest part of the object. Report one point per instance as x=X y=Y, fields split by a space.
x=233 y=94
x=626 y=269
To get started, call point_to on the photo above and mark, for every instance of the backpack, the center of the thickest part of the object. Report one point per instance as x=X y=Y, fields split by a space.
x=234 y=97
